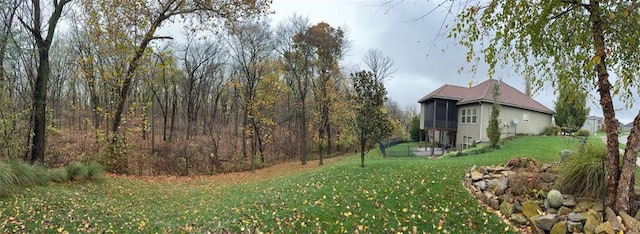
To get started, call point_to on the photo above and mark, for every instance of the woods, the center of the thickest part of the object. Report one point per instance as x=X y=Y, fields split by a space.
x=228 y=91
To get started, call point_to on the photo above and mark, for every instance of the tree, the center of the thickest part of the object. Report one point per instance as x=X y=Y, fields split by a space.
x=140 y=20
x=297 y=61
x=328 y=45
x=588 y=39
x=372 y=124
x=571 y=109
x=43 y=44
x=380 y=64
x=493 y=130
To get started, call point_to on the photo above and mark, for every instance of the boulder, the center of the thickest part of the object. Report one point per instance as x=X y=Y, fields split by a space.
x=604 y=228
x=547 y=177
x=583 y=206
x=530 y=209
x=554 y=198
x=494 y=203
x=559 y=228
x=506 y=208
x=545 y=222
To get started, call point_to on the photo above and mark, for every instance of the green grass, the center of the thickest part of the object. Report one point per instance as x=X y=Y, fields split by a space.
x=388 y=195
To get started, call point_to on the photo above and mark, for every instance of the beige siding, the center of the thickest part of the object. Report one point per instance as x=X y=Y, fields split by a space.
x=423 y=111
x=477 y=132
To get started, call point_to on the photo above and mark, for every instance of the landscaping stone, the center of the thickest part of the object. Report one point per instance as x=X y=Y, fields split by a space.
x=612 y=218
x=545 y=222
x=482 y=185
x=530 y=209
x=554 y=198
x=604 y=228
x=583 y=206
x=503 y=184
x=591 y=224
x=568 y=201
x=476 y=175
x=506 y=208
x=575 y=227
x=509 y=191
x=577 y=217
x=564 y=211
x=629 y=222
x=518 y=219
x=559 y=228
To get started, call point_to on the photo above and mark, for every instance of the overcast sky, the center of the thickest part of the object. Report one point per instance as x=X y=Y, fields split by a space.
x=424 y=60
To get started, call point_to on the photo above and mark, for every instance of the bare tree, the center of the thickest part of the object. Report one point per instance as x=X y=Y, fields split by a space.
x=380 y=64
x=297 y=60
x=43 y=42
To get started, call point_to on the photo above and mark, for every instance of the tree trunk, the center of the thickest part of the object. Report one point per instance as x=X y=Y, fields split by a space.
x=39 y=105
x=303 y=133
x=604 y=89
x=626 y=185
x=363 y=143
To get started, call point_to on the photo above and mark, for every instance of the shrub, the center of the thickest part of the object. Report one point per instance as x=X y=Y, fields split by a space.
x=583 y=132
x=95 y=171
x=551 y=131
x=583 y=174
x=77 y=171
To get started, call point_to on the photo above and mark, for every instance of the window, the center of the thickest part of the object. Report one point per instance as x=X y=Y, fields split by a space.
x=467 y=142
x=525 y=116
x=469 y=115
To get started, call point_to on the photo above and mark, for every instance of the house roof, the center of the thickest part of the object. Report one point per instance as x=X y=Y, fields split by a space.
x=482 y=92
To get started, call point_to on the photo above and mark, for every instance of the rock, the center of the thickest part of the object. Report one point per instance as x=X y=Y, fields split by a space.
x=598 y=207
x=559 y=228
x=545 y=167
x=564 y=211
x=545 y=222
x=577 y=217
x=476 y=175
x=612 y=218
x=480 y=196
x=495 y=169
x=530 y=209
x=518 y=219
x=547 y=177
x=591 y=224
x=629 y=222
x=494 y=204
x=491 y=184
x=554 y=198
x=583 y=206
x=506 y=208
x=568 y=201
x=482 y=185
x=552 y=211
x=507 y=173
x=517 y=206
x=503 y=184
x=574 y=227
x=604 y=228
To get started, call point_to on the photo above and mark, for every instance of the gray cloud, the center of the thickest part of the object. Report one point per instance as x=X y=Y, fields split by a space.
x=424 y=59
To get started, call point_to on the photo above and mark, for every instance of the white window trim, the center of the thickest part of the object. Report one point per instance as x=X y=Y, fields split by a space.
x=528 y=119
x=466 y=113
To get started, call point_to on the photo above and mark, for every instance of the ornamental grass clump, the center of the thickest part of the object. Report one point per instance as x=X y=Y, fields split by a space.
x=583 y=174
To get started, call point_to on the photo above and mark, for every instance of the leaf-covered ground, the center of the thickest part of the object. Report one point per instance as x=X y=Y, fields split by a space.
x=388 y=195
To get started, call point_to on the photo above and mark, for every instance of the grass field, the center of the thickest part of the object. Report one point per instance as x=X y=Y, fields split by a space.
x=388 y=195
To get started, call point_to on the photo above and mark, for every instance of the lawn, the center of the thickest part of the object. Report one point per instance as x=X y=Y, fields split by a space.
x=388 y=195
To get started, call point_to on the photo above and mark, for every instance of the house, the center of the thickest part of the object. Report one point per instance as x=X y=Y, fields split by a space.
x=626 y=127
x=593 y=124
x=455 y=116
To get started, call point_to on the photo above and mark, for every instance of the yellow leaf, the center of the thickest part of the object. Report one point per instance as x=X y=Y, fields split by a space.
x=596 y=59
x=405 y=210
